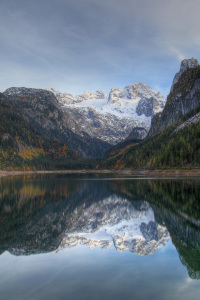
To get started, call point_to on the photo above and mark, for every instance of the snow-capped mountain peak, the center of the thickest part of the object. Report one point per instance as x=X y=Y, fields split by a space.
x=87 y=95
x=64 y=98
x=112 y=118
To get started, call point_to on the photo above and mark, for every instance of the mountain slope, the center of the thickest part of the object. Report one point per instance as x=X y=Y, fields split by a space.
x=41 y=109
x=167 y=149
x=22 y=147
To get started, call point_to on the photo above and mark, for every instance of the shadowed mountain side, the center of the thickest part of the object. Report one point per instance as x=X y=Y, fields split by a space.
x=42 y=111
x=23 y=147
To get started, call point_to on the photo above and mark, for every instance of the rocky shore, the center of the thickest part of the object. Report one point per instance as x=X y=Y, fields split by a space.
x=143 y=173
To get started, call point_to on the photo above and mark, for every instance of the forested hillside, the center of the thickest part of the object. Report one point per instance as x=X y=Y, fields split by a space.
x=167 y=149
x=183 y=99
x=22 y=147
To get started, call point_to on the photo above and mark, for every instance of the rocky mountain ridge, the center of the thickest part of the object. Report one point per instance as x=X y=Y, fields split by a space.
x=184 y=97
x=66 y=98
x=148 y=100
x=112 y=118
x=91 y=122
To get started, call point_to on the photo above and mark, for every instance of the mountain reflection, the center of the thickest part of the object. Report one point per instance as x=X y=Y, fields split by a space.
x=48 y=213
x=115 y=220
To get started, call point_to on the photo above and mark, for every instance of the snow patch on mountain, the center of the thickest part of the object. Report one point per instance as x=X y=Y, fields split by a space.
x=112 y=118
x=87 y=95
x=122 y=109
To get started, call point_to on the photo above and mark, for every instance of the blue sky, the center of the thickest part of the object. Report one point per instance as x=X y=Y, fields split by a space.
x=80 y=45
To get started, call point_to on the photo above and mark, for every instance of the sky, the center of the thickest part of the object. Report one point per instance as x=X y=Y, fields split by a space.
x=88 y=45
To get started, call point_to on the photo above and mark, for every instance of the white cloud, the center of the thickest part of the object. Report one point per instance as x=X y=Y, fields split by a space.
x=178 y=54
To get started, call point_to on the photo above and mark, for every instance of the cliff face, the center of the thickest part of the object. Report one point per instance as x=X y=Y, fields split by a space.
x=185 y=65
x=184 y=96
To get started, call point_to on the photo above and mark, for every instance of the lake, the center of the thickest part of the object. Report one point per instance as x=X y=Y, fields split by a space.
x=97 y=237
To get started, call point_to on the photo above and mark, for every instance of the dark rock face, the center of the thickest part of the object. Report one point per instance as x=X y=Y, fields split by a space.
x=184 y=96
x=145 y=107
x=155 y=124
x=42 y=110
x=185 y=65
x=137 y=133
x=149 y=231
x=148 y=106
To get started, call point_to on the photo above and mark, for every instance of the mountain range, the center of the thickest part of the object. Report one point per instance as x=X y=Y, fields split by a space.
x=112 y=118
x=134 y=127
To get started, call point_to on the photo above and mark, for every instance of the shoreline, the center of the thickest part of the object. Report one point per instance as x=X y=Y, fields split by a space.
x=151 y=173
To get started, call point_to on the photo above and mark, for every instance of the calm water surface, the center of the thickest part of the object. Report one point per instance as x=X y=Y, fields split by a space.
x=64 y=237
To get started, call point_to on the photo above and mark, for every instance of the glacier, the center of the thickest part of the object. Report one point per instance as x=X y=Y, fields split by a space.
x=112 y=117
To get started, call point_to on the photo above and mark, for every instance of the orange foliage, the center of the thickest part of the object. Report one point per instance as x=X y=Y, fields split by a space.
x=30 y=153
x=121 y=151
